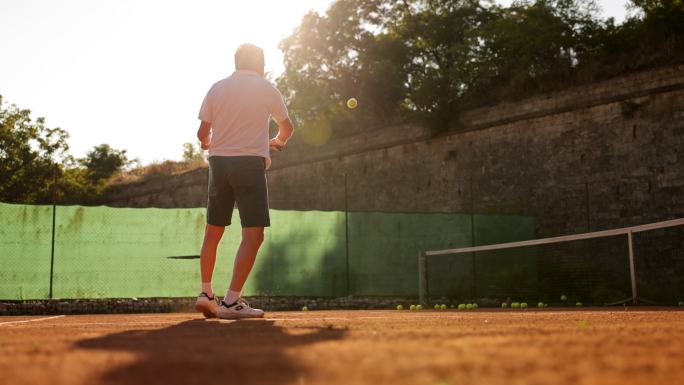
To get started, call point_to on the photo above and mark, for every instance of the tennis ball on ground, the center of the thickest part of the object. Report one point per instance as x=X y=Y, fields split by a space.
x=419 y=307
x=540 y=304
x=437 y=307
x=412 y=307
x=681 y=303
x=461 y=306
x=352 y=103
x=400 y=307
x=523 y=305
x=563 y=297
x=443 y=307
x=504 y=305
x=469 y=306
x=515 y=305
x=578 y=304
x=475 y=306
x=304 y=308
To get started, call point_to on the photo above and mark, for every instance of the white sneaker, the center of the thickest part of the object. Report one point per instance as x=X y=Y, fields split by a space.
x=206 y=305
x=238 y=309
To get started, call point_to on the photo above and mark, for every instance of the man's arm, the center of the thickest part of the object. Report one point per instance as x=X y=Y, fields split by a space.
x=204 y=134
x=285 y=130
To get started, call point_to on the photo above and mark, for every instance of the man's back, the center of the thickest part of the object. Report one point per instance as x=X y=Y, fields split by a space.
x=239 y=108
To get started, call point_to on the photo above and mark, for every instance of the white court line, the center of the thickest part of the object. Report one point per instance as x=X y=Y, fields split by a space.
x=30 y=320
x=126 y=323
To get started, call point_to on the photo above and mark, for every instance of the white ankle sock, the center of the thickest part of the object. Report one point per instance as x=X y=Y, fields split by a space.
x=231 y=296
x=206 y=288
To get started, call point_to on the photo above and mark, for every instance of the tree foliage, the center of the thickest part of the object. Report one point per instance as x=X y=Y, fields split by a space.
x=192 y=152
x=29 y=154
x=35 y=166
x=428 y=60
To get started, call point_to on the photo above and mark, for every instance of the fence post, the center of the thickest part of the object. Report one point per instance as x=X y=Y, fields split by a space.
x=346 y=237
x=422 y=279
x=632 y=269
x=52 y=248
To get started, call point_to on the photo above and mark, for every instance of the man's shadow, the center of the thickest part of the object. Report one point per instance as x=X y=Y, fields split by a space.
x=205 y=352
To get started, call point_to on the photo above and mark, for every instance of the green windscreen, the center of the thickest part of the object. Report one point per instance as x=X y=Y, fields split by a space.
x=113 y=252
x=25 y=244
x=304 y=255
x=103 y=252
x=384 y=248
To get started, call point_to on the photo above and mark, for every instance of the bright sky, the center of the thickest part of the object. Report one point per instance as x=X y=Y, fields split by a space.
x=133 y=73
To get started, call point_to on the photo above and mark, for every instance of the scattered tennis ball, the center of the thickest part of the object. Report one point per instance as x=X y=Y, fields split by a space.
x=681 y=303
x=504 y=305
x=412 y=307
x=515 y=305
x=419 y=307
x=304 y=308
x=443 y=307
x=578 y=304
x=469 y=306
x=437 y=307
x=352 y=103
x=540 y=304
x=475 y=306
x=523 y=305
x=461 y=306
x=400 y=307
x=564 y=298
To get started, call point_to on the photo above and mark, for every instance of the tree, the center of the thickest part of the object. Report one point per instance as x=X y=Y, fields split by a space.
x=29 y=156
x=428 y=60
x=102 y=162
x=192 y=152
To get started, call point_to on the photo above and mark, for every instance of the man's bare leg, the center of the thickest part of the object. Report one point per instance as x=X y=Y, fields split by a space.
x=252 y=238
x=212 y=237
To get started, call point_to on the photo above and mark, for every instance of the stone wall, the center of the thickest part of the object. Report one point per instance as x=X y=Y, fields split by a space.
x=599 y=156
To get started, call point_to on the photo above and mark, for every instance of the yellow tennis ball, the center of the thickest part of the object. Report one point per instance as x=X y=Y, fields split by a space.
x=352 y=103
x=304 y=308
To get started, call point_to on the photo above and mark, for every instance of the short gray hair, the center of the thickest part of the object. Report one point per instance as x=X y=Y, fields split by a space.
x=249 y=57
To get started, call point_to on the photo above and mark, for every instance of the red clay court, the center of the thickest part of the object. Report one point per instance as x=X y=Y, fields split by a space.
x=553 y=346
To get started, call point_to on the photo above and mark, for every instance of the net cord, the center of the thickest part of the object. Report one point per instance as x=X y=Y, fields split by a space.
x=565 y=238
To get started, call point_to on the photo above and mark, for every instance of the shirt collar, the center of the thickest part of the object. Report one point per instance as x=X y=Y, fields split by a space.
x=246 y=72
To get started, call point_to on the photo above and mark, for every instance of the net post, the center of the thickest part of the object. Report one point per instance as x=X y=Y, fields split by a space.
x=422 y=278
x=632 y=270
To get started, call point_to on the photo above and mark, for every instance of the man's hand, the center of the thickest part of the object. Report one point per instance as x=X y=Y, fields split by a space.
x=276 y=144
x=204 y=135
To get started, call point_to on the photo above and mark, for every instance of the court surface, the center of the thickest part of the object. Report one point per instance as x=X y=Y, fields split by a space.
x=349 y=347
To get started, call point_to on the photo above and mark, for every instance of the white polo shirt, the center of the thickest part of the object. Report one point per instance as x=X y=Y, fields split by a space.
x=238 y=108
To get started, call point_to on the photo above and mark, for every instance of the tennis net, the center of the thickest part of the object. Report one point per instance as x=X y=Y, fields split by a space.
x=639 y=264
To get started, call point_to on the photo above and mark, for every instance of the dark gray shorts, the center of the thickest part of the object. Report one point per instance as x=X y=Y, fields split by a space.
x=241 y=180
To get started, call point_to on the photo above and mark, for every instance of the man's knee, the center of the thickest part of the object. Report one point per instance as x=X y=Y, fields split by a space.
x=253 y=236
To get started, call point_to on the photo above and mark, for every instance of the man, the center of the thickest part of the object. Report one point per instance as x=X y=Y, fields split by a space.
x=234 y=128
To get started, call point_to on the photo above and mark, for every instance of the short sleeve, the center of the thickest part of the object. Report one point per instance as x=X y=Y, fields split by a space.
x=276 y=106
x=205 y=113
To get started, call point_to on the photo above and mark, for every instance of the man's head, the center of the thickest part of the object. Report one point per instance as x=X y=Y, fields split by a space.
x=250 y=57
